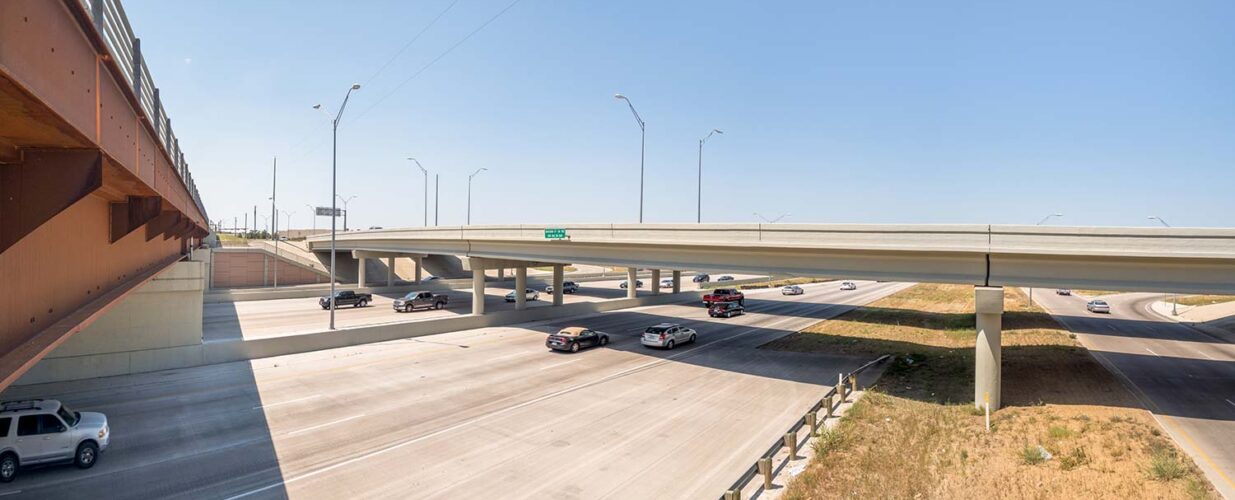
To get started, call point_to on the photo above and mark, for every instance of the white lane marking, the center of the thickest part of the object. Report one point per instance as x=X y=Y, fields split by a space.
x=1151 y=351
x=508 y=409
x=319 y=426
x=14 y=492
x=286 y=402
x=560 y=364
x=1232 y=403
x=1202 y=353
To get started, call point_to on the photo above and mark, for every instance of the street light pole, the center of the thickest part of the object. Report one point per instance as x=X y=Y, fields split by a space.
x=1174 y=296
x=437 y=196
x=699 y=212
x=469 y=193
x=334 y=182
x=345 y=212
x=1160 y=220
x=313 y=214
x=1044 y=219
x=426 y=172
x=274 y=228
x=642 y=148
x=772 y=221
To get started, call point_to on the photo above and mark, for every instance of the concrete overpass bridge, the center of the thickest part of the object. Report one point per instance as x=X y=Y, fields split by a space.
x=96 y=197
x=986 y=256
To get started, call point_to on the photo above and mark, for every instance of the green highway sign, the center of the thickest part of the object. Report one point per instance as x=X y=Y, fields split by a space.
x=555 y=234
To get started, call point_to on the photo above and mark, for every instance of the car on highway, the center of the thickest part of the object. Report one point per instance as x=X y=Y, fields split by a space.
x=724 y=295
x=1098 y=306
x=701 y=278
x=666 y=283
x=726 y=310
x=725 y=278
x=576 y=337
x=567 y=287
x=44 y=431
x=1063 y=291
x=667 y=335
x=626 y=284
x=848 y=285
x=346 y=298
x=528 y=293
x=792 y=290
x=432 y=278
x=426 y=300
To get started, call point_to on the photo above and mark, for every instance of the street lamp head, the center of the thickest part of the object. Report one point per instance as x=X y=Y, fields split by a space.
x=719 y=131
x=355 y=86
x=317 y=106
x=1058 y=215
x=620 y=97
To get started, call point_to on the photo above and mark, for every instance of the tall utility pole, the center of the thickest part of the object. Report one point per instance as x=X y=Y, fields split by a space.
x=469 y=193
x=345 y=202
x=699 y=213
x=274 y=214
x=313 y=214
x=334 y=181
x=426 y=172
x=255 y=218
x=437 y=191
x=246 y=222
x=643 y=132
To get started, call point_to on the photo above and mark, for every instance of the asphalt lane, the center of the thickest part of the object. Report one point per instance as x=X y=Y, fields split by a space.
x=1183 y=375
x=474 y=414
x=225 y=321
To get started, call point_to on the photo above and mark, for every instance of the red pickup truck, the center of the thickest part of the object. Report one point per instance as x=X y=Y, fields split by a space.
x=724 y=295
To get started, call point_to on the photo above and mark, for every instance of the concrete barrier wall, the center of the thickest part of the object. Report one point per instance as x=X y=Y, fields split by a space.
x=101 y=365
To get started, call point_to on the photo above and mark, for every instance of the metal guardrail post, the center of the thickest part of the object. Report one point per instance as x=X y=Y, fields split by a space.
x=853 y=383
x=828 y=405
x=840 y=386
x=765 y=469
x=791 y=442
x=812 y=420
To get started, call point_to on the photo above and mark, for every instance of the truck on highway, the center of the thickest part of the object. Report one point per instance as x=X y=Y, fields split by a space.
x=346 y=298
x=426 y=300
x=724 y=295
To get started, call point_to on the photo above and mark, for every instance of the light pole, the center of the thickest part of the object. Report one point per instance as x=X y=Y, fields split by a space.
x=1174 y=296
x=437 y=196
x=772 y=221
x=313 y=214
x=1043 y=221
x=699 y=212
x=334 y=181
x=642 y=143
x=469 y=193
x=426 y=172
x=345 y=213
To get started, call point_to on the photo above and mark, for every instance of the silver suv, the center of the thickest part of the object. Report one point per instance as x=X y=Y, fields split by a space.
x=41 y=431
x=667 y=335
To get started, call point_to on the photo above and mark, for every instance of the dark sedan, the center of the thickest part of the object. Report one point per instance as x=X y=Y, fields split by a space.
x=576 y=337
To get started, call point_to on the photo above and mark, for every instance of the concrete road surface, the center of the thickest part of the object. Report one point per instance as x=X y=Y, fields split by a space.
x=488 y=413
x=1184 y=376
x=272 y=318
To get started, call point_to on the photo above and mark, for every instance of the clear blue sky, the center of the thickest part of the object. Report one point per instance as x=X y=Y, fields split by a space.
x=916 y=112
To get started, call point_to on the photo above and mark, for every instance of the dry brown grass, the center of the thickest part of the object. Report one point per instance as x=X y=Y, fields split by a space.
x=1205 y=300
x=777 y=283
x=918 y=435
x=1096 y=293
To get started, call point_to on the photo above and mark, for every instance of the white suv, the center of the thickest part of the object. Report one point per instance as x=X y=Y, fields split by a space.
x=667 y=335
x=41 y=431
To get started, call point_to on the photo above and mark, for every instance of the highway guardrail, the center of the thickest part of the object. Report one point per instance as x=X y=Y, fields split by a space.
x=846 y=385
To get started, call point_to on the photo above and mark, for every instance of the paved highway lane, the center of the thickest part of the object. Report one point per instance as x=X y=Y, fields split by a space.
x=271 y=318
x=1184 y=376
x=474 y=414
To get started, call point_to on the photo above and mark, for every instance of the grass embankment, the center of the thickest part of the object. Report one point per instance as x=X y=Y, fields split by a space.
x=1204 y=300
x=777 y=283
x=1096 y=293
x=231 y=240
x=568 y=269
x=917 y=434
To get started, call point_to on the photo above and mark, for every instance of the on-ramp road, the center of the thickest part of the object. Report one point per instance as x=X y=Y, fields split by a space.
x=483 y=413
x=1182 y=375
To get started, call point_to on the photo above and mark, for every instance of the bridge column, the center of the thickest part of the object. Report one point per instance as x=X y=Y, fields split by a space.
x=987 y=376
x=390 y=271
x=520 y=286
x=418 y=269
x=656 y=282
x=501 y=273
x=677 y=282
x=478 y=287
x=360 y=272
x=559 y=272
x=631 y=274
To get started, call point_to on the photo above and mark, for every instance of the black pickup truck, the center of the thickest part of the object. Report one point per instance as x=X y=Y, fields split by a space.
x=346 y=298
x=427 y=300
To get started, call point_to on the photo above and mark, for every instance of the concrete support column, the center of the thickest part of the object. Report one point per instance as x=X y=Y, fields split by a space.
x=656 y=282
x=520 y=286
x=677 y=282
x=478 y=287
x=390 y=271
x=559 y=275
x=418 y=269
x=360 y=272
x=631 y=279
x=501 y=273
x=987 y=376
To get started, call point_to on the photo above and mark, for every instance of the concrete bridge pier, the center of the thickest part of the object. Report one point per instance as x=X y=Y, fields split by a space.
x=677 y=282
x=520 y=285
x=390 y=271
x=987 y=376
x=559 y=276
x=656 y=282
x=632 y=275
x=478 y=287
x=419 y=269
x=360 y=281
